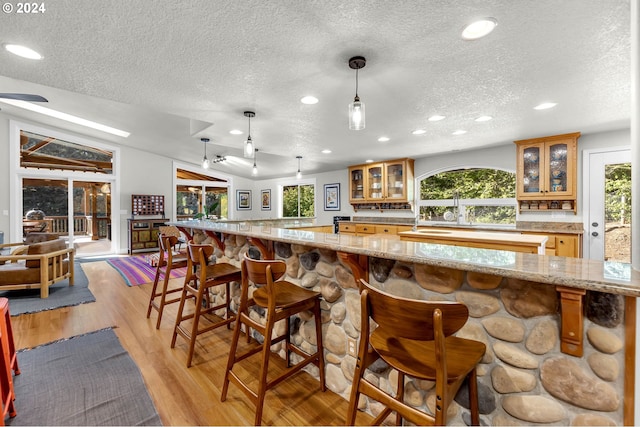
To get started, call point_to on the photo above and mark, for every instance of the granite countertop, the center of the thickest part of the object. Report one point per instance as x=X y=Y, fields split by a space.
x=609 y=277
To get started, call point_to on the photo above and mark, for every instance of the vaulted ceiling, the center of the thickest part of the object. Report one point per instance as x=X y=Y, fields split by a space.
x=172 y=72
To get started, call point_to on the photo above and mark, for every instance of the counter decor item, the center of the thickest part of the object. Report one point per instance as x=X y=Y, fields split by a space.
x=243 y=200
x=332 y=197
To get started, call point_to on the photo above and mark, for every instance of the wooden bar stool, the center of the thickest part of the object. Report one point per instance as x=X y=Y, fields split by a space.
x=167 y=261
x=9 y=362
x=196 y=286
x=416 y=339
x=281 y=300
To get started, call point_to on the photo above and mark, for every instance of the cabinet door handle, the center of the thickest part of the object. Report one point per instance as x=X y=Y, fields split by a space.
x=562 y=242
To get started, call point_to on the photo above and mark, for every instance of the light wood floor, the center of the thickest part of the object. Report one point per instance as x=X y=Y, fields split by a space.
x=182 y=396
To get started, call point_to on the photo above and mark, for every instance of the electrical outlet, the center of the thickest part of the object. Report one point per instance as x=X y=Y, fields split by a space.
x=353 y=349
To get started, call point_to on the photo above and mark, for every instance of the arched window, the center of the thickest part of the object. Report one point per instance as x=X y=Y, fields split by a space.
x=468 y=196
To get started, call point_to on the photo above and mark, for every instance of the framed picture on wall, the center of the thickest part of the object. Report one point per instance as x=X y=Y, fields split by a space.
x=332 y=197
x=243 y=199
x=266 y=200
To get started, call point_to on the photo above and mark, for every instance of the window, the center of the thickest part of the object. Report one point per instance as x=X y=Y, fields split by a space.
x=190 y=188
x=468 y=196
x=298 y=201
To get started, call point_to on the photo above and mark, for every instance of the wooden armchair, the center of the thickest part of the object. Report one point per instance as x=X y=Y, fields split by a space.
x=36 y=265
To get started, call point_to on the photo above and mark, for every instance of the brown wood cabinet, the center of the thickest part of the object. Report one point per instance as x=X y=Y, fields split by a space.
x=365 y=229
x=389 y=182
x=546 y=173
x=143 y=234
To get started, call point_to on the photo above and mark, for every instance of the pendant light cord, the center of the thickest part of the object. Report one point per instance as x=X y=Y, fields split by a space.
x=357 y=83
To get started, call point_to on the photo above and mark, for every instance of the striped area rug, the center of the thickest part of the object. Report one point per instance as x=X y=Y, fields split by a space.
x=135 y=270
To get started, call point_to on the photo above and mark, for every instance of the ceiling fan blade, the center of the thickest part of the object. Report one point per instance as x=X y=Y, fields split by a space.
x=24 y=97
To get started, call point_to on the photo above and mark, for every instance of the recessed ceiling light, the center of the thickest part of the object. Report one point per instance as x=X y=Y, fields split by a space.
x=484 y=118
x=66 y=117
x=309 y=100
x=459 y=132
x=479 y=29
x=368 y=161
x=419 y=132
x=383 y=139
x=235 y=132
x=545 y=106
x=436 y=118
x=326 y=151
x=22 y=51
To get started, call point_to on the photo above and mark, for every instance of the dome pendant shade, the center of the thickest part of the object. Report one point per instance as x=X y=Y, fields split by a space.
x=356 y=108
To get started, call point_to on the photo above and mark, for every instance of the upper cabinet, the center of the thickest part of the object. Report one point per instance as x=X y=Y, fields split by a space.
x=546 y=172
x=387 y=183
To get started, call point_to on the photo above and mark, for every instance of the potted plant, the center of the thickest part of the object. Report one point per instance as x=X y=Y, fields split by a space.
x=208 y=212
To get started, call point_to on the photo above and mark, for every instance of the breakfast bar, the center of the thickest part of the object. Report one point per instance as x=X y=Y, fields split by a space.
x=560 y=332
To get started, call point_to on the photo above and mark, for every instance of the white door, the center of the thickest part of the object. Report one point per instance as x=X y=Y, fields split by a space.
x=607 y=205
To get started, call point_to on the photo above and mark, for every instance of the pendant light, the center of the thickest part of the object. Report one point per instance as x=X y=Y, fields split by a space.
x=356 y=108
x=205 y=161
x=248 y=144
x=254 y=171
x=299 y=174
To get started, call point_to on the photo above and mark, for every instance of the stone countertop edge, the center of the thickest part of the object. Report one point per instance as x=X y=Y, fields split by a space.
x=529 y=226
x=614 y=278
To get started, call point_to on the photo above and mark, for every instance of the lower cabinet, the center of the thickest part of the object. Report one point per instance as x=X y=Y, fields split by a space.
x=143 y=234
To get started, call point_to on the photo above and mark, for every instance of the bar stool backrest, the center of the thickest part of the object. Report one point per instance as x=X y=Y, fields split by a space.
x=263 y=272
x=199 y=254
x=411 y=319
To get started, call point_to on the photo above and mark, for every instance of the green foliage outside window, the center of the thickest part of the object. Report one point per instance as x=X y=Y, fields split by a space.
x=298 y=201
x=471 y=184
x=618 y=193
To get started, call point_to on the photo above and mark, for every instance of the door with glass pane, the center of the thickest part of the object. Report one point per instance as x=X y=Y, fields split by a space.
x=608 y=214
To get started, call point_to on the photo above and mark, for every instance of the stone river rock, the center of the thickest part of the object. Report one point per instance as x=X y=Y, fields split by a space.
x=348 y=366
x=330 y=290
x=293 y=266
x=479 y=304
x=438 y=279
x=352 y=300
x=309 y=260
x=512 y=355
x=403 y=288
x=534 y=409
x=283 y=250
x=413 y=396
x=506 y=379
x=344 y=278
x=473 y=331
x=334 y=378
x=504 y=328
x=604 y=340
x=324 y=269
x=254 y=253
x=604 y=366
x=401 y=271
x=483 y=280
x=299 y=249
x=380 y=268
x=335 y=340
x=526 y=299
x=564 y=379
x=592 y=420
x=309 y=280
x=543 y=337
x=338 y=312
x=328 y=255
x=604 y=309
x=486 y=397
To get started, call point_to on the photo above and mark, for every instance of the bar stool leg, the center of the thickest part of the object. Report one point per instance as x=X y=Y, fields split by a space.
x=318 y=320
x=262 y=380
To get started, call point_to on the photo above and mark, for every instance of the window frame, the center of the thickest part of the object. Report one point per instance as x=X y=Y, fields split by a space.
x=462 y=203
x=297 y=183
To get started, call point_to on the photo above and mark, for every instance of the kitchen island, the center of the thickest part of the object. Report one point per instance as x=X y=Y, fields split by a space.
x=560 y=332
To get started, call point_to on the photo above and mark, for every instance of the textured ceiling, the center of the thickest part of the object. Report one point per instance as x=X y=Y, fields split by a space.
x=163 y=69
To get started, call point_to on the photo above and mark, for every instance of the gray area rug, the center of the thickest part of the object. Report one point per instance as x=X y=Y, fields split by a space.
x=85 y=380
x=60 y=295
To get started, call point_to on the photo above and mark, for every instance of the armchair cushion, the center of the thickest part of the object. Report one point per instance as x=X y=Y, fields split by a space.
x=45 y=248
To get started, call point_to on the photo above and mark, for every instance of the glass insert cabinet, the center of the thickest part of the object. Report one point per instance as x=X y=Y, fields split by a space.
x=382 y=182
x=546 y=172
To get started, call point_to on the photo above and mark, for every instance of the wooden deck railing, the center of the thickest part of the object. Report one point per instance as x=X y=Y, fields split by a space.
x=82 y=225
